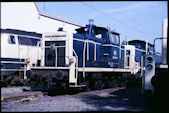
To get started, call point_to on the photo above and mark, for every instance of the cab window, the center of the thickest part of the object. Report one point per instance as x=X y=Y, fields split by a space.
x=11 y=39
x=114 y=38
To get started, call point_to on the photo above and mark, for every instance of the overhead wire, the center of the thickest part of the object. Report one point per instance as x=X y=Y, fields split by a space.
x=148 y=35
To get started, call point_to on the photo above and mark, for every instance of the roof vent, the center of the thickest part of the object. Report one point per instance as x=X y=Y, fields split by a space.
x=60 y=29
x=91 y=21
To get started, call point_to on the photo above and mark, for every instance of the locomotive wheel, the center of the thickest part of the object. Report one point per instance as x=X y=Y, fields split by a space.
x=87 y=88
x=99 y=84
x=102 y=84
x=7 y=80
x=60 y=75
x=113 y=83
x=13 y=80
x=17 y=81
x=109 y=85
x=121 y=82
x=96 y=85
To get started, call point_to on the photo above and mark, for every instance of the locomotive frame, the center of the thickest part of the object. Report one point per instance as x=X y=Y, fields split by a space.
x=77 y=69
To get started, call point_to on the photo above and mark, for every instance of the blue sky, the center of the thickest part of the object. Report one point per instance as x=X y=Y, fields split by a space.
x=140 y=20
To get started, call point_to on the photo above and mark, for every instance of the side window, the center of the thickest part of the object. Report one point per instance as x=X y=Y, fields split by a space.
x=28 y=41
x=99 y=36
x=151 y=48
x=11 y=39
x=143 y=46
x=128 y=52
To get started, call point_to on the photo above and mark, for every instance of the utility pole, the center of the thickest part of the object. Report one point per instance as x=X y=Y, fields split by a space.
x=44 y=6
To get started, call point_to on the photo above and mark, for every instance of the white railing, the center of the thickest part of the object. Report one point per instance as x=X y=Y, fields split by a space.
x=76 y=63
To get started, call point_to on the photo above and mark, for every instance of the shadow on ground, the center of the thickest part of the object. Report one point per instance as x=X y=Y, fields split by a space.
x=124 y=100
x=54 y=90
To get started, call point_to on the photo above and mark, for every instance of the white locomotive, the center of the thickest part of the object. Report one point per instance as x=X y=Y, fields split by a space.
x=19 y=51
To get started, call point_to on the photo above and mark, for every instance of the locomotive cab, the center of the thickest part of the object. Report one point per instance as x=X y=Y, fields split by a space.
x=102 y=46
x=98 y=34
x=57 y=48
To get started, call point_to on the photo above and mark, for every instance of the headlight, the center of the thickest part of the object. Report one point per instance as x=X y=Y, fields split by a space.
x=149 y=67
x=72 y=60
x=149 y=59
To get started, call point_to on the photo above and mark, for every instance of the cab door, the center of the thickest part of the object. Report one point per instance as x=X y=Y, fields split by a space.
x=129 y=56
x=55 y=57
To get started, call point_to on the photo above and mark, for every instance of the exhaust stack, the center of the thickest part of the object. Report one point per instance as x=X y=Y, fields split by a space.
x=91 y=21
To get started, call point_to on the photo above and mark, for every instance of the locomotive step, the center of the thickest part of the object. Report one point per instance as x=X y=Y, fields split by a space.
x=76 y=86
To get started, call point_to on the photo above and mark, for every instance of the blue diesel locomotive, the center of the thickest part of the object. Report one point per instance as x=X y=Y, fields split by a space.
x=92 y=57
x=142 y=48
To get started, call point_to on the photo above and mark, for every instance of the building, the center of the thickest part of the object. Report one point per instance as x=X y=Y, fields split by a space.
x=26 y=16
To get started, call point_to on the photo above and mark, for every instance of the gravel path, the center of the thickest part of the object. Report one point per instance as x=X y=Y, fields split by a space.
x=119 y=99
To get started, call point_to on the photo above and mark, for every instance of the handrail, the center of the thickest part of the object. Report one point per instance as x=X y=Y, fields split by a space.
x=154 y=42
x=55 y=46
x=76 y=63
x=84 y=58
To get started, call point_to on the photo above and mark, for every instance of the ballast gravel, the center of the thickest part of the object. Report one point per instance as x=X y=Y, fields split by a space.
x=113 y=99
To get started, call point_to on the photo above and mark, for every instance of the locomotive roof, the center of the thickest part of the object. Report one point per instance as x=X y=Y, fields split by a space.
x=82 y=29
x=138 y=41
x=21 y=32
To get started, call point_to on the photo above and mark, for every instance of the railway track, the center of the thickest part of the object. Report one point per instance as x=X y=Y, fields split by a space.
x=112 y=99
x=50 y=92
x=45 y=90
x=21 y=96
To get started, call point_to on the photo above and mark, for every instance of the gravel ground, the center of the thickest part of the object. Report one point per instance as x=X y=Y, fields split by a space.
x=114 y=99
x=12 y=90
